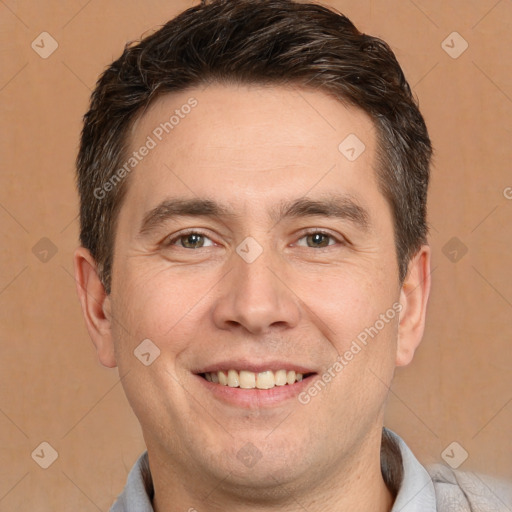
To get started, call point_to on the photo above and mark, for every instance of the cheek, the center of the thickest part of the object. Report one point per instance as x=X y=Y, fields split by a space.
x=346 y=302
x=360 y=323
x=160 y=305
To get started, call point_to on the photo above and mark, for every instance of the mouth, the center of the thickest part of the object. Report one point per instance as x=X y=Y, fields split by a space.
x=244 y=383
x=246 y=379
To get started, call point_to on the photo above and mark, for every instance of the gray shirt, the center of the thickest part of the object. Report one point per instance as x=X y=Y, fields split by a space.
x=440 y=489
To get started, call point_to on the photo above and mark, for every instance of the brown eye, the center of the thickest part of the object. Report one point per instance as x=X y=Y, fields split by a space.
x=190 y=240
x=318 y=240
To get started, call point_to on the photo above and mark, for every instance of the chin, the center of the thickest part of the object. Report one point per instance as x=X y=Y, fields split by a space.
x=261 y=466
x=266 y=481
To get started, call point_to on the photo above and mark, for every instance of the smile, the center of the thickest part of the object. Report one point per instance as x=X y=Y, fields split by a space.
x=246 y=379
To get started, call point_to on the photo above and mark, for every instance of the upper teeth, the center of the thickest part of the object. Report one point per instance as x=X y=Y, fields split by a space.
x=248 y=380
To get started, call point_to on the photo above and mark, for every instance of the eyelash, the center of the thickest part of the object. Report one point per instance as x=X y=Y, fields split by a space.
x=171 y=242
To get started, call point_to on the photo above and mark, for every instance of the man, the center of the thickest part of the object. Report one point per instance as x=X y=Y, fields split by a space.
x=253 y=181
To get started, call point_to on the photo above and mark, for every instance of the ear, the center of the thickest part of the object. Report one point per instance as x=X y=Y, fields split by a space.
x=95 y=305
x=413 y=298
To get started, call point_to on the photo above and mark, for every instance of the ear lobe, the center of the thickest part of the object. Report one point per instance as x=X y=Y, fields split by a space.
x=96 y=306
x=413 y=298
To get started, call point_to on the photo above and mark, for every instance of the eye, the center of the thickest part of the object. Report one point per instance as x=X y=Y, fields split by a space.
x=190 y=240
x=319 y=239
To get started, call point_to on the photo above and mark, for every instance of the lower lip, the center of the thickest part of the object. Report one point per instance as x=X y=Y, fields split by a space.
x=256 y=398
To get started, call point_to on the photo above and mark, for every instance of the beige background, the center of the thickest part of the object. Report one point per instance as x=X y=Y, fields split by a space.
x=53 y=389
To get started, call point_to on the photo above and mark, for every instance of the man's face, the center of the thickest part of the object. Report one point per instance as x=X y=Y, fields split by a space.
x=258 y=287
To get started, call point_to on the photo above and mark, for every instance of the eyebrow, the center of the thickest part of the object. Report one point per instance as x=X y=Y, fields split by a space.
x=341 y=206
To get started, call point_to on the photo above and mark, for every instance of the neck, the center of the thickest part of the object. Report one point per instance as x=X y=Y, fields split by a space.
x=355 y=484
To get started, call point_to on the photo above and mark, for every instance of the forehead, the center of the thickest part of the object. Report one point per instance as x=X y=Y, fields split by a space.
x=251 y=145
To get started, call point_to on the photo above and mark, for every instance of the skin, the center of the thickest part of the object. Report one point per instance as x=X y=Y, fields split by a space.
x=251 y=147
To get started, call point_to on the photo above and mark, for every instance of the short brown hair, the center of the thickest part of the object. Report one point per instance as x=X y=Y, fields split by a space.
x=268 y=42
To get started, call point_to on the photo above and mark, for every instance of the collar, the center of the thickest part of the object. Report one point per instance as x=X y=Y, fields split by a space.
x=416 y=492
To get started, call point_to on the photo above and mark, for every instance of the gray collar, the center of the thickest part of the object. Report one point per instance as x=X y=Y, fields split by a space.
x=416 y=492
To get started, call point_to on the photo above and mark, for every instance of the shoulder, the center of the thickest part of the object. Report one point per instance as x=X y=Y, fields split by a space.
x=468 y=491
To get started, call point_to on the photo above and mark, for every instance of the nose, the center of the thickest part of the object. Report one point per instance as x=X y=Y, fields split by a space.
x=256 y=297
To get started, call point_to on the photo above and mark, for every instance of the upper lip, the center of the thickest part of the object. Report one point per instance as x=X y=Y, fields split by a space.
x=252 y=366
